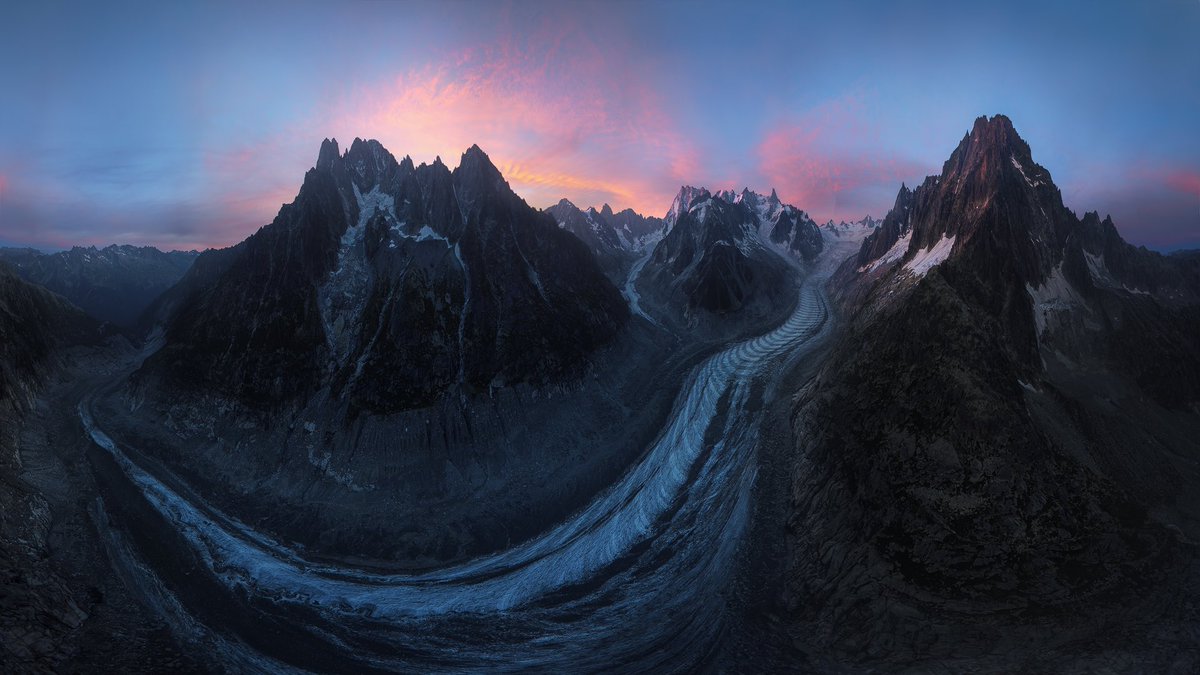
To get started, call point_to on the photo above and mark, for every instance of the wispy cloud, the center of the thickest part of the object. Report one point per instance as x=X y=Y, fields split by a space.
x=558 y=114
x=1183 y=180
x=831 y=161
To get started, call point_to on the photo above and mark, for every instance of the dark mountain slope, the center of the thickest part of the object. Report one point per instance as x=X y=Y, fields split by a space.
x=204 y=272
x=996 y=444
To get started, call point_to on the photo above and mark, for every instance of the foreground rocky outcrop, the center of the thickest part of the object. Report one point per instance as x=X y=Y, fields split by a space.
x=996 y=468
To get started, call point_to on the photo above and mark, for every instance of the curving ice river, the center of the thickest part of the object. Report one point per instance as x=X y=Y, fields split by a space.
x=634 y=580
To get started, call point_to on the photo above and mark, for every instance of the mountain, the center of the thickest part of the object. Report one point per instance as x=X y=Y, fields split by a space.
x=393 y=284
x=843 y=228
x=114 y=284
x=408 y=365
x=723 y=254
x=631 y=225
x=615 y=239
x=1003 y=439
x=783 y=223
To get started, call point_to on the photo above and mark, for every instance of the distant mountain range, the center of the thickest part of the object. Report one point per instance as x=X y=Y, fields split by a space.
x=728 y=254
x=114 y=283
x=615 y=239
x=843 y=228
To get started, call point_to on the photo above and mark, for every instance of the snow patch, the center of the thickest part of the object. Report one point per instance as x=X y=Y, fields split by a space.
x=927 y=259
x=342 y=298
x=1030 y=183
x=1098 y=269
x=1055 y=294
x=896 y=252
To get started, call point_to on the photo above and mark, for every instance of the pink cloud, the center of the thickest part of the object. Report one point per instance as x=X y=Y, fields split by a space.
x=829 y=161
x=1183 y=180
x=251 y=182
x=557 y=114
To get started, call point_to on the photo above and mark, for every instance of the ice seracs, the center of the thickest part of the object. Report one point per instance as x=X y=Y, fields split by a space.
x=343 y=296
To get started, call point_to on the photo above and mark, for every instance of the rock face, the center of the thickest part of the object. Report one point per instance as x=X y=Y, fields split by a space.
x=722 y=254
x=615 y=239
x=36 y=607
x=114 y=284
x=391 y=285
x=967 y=463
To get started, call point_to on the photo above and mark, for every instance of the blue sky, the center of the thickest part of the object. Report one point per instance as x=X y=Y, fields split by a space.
x=188 y=124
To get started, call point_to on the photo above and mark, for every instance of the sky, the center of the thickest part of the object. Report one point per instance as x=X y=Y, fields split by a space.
x=187 y=125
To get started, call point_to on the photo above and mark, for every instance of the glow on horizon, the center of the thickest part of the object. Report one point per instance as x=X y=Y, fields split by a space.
x=135 y=128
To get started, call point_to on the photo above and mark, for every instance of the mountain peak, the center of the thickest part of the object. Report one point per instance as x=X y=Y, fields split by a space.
x=992 y=142
x=475 y=154
x=997 y=132
x=476 y=162
x=370 y=160
x=687 y=196
x=606 y=211
x=989 y=184
x=361 y=146
x=329 y=152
